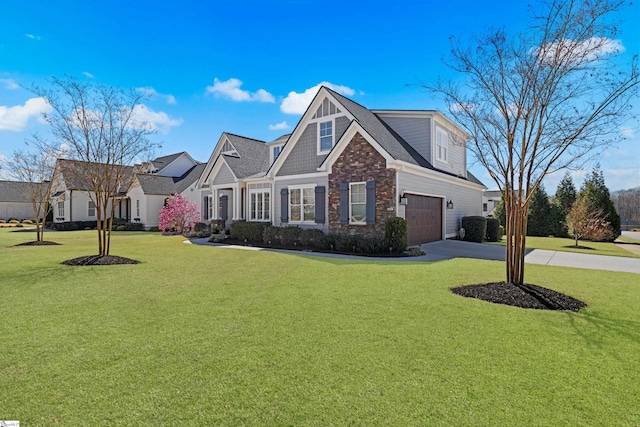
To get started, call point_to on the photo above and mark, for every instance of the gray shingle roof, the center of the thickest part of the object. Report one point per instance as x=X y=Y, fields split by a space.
x=167 y=185
x=163 y=161
x=76 y=173
x=253 y=157
x=16 y=191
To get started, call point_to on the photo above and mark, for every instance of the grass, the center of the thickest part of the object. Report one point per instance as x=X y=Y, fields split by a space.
x=212 y=336
x=627 y=239
x=567 y=245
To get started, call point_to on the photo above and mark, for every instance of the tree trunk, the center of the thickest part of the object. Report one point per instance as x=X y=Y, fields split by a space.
x=516 y=238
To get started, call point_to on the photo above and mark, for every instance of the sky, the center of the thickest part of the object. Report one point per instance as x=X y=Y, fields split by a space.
x=251 y=67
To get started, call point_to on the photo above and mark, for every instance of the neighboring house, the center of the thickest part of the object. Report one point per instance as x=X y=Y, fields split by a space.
x=346 y=168
x=15 y=201
x=490 y=200
x=140 y=202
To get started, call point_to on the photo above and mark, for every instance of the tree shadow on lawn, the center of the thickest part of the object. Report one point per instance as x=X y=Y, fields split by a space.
x=597 y=329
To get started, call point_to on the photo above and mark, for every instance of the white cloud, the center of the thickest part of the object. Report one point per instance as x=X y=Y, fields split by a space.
x=33 y=37
x=297 y=103
x=10 y=84
x=151 y=92
x=15 y=118
x=155 y=120
x=87 y=74
x=231 y=89
x=628 y=132
x=279 y=126
x=586 y=51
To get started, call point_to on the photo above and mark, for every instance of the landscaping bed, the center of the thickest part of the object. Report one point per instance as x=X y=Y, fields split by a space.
x=99 y=260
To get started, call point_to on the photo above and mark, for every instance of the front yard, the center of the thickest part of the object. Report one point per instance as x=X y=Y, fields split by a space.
x=216 y=336
x=567 y=245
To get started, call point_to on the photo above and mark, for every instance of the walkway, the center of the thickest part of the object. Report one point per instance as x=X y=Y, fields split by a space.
x=449 y=249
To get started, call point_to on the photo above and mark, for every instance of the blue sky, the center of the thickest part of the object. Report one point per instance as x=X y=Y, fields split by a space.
x=244 y=66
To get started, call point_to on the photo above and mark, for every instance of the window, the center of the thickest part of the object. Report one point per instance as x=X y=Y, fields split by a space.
x=484 y=207
x=326 y=136
x=260 y=205
x=91 y=211
x=138 y=208
x=442 y=144
x=275 y=152
x=357 y=203
x=210 y=205
x=302 y=206
x=61 y=209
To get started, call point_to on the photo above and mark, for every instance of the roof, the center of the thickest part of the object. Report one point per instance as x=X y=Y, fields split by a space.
x=252 y=159
x=167 y=185
x=163 y=161
x=76 y=173
x=281 y=139
x=17 y=191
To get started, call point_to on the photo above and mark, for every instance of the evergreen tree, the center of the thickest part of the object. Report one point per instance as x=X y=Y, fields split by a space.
x=500 y=213
x=539 y=213
x=566 y=194
x=597 y=198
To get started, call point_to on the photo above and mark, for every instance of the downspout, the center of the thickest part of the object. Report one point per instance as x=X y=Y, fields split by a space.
x=70 y=205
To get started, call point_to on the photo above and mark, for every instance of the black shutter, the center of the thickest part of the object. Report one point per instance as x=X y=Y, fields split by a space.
x=205 y=214
x=284 y=205
x=344 y=203
x=224 y=207
x=319 y=201
x=371 y=202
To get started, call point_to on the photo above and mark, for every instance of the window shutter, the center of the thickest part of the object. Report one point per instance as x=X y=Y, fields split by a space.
x=371 y=202
x=224 y=207
x=320 y=203
x=284 y=205
x=206 y=208
x=344 y=203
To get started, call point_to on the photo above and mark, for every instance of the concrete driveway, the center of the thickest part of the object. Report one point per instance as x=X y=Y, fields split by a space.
x=446 y=249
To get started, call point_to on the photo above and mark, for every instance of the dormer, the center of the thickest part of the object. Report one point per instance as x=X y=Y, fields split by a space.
x=325 y=116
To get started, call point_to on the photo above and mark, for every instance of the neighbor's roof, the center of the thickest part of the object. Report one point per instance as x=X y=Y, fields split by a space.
x=163 y=161
x=77 y=173
x=17 y=191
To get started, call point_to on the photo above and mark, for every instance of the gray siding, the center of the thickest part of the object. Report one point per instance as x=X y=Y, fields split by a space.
x=224 y=176
x=466 y=201
x=456 y=157
x=303 y=157
x=416 y=131
x=286 y=183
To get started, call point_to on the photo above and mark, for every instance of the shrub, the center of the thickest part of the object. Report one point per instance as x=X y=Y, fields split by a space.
x=19 y=225
x=493 y=230
x=475 y=228
x=132 y=226
x=312 y=237
x=371 y=245
x=154 y=229
x=502 y=232
x=249 y=231
x=2 y=221
x=271 y=235
x=120 y=228
x=200 y=227
x=27 y=221
x=14 y=221
x=395 y=234
x=217 y=225
x=290 y=236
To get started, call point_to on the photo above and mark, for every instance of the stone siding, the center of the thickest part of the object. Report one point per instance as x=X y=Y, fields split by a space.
x=360 y=162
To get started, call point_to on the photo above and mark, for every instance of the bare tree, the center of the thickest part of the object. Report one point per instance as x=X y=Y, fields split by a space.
x=547 y=98
x=36 y=170
x=627 y=203
x=99 y=127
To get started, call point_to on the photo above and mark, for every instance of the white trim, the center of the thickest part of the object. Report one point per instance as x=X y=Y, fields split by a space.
x=216 y=170
x=175 y=160
x=301 y=187
x=403 y=166
x=436 y=157
x=89 y=207
x=272 y=147
x=364 y=222
x=249 y=209
x=300 y=176
x=320 y=121
x=346 y=138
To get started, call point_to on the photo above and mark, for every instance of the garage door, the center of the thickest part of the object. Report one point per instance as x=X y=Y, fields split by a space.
x=424 y=219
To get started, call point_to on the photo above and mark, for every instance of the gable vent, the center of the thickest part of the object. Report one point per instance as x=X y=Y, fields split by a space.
x=327 y=108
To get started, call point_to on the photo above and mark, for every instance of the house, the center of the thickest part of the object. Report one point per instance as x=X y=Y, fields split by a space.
x=346 y=168
x=150 y=184
x=15 y=200
x=490 y=200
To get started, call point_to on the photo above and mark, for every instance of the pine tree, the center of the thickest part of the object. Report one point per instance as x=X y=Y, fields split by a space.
x=566 y=194
x=539 y=212
x=597 y=198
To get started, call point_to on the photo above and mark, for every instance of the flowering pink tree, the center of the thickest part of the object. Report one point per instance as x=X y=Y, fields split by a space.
x=178 y=214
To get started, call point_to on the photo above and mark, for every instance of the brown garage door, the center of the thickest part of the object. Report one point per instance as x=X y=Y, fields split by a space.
x=424 y=219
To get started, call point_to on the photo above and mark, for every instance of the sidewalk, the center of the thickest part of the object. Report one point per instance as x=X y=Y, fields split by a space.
x=449 y=249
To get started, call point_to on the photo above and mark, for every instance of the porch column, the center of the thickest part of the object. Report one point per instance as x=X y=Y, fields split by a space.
x=215 y=202
x=236 y=203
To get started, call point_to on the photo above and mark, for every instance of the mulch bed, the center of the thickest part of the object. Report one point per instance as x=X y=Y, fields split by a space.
x=99 y=260
x=36 y=243
x=525 y=296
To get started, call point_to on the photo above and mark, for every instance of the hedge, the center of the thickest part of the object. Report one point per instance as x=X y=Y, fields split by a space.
x=494 y=233
x=475 y=228
x=249 y=231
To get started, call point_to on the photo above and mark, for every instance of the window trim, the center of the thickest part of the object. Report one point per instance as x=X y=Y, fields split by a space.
x=264 y=211
x=445 y=133
x=272 y=153
x=137 y=208
x=61 y=209
x=364 y=221
x=302 y=188
x=89 y=203
x=325 y=119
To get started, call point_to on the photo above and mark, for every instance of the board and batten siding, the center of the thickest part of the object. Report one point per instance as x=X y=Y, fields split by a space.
x=224 y=176
x=280 y=184
x=466 y=201
x=304 y=155
x=415 y=130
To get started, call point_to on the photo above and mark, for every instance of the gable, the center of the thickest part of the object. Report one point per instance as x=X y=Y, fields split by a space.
x=178 y=166
x=222 y=174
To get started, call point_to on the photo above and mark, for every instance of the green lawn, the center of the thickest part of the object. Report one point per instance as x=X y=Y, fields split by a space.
x=567 y=245
x=212 y=336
